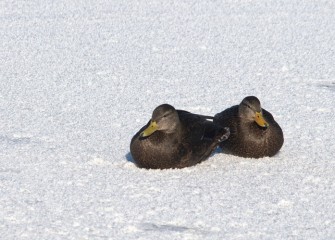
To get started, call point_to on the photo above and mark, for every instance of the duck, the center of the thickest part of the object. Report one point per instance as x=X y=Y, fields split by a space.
x=175 y=139
x=254 y=133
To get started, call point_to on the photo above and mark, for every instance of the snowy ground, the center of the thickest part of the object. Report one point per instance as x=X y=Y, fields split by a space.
x=79 y=78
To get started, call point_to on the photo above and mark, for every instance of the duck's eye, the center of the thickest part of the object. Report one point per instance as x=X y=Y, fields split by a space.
x=246 y=105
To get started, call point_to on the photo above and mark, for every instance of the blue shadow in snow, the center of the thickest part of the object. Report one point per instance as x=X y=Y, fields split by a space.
x=130 y=158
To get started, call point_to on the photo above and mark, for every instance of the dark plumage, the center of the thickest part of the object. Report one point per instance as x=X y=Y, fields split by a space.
x=253 y=131
x=175 y=139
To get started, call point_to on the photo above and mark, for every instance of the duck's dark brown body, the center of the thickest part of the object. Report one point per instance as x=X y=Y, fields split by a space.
x=193 y=142
x=247 y=139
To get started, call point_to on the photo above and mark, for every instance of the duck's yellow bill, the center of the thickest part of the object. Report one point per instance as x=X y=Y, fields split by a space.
x=260 y=120
x=150 y=129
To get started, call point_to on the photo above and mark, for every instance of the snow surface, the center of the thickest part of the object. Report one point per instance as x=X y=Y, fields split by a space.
x=79 y=78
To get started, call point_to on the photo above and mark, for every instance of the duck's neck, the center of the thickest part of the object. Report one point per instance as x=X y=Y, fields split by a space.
x=175 y=128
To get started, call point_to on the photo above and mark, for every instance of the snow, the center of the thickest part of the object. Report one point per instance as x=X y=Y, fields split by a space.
x=79 y=78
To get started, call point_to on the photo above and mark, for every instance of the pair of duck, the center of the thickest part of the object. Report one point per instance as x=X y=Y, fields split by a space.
x=177 y=138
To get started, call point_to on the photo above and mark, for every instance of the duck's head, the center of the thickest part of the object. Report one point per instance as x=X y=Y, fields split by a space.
x=164 y=118
x=251 y=110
